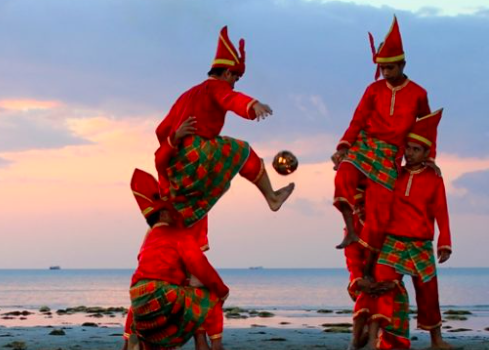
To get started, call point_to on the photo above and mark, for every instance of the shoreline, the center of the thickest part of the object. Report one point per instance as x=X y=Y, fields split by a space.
x=244 y=330
x=265 y=338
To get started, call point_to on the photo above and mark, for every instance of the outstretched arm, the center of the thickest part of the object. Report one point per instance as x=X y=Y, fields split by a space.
x=197 y=264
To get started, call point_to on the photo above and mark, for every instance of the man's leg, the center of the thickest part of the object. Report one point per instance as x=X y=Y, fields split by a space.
x=254 y=170
x=214 y=325
x=346 y=182
x=378 y=204
x=361 y=315
x=385 y=303
x=429 y=315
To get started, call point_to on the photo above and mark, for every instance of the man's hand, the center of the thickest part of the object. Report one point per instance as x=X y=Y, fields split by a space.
x=185 y=129
x=443 y=255
x=382 y=287
x=262 y=110
x=364 y=285
x=434 y=167
x=338 y=156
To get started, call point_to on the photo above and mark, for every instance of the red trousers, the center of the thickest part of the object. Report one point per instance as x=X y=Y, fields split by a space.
x=253 y=168
x=429 y=316
x=378 y=202
x=214 y=323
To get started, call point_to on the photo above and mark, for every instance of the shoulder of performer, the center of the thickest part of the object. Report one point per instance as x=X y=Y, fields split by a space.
x=217 y=84
x=415 y=86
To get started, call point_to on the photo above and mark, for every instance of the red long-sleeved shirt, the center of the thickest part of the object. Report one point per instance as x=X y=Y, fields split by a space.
x=208 y=102
x=388 y=113
x=169 y=253
x=419 y=200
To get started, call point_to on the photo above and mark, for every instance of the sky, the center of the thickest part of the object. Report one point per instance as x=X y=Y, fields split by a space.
x=83 y=85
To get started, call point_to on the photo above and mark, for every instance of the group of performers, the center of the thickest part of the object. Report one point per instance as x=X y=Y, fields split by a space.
x=389 y=210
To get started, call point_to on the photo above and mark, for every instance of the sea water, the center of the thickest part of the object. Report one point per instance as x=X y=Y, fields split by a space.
x=279 y=289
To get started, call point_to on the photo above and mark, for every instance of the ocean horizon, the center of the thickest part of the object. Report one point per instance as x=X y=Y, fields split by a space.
x=255 y=288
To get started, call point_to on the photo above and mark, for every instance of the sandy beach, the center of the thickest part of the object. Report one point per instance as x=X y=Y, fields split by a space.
x=300 y=329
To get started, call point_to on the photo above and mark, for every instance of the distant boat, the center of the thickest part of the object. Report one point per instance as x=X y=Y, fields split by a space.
x=55 y=267
x=256 y=267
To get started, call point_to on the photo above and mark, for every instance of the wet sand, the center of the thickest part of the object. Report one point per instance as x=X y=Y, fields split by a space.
x=300 y=329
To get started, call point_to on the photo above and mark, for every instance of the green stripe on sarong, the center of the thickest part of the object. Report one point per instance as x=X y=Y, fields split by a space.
x=201 y=173
x=400 y=316
x=167 y=315
x=374 y=158
x=409 y=256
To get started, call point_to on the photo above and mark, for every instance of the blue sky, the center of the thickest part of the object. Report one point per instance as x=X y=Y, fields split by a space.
x=81 y=78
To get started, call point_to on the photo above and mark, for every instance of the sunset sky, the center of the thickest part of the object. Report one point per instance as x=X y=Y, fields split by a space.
x=83 y=85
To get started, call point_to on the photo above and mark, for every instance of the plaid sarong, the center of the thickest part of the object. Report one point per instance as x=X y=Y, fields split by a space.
x=374 y=158
x=399 y=326
x=409 y=256
x=166 y=315
x=201 y=173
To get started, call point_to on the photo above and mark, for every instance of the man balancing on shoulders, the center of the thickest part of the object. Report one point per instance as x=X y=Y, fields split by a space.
x=197 y=165
x=419 y=201
x=371 y=146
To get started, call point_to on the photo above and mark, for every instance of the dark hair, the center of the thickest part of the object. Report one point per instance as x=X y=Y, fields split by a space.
x=153 y=218
x=217 y=71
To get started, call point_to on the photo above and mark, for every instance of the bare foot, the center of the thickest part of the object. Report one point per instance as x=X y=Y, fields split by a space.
x=363 y=341
x=217 y=344
x=280 y=196
x=441 y=345
x=133 y=343
x=217 y=347
x=201 y=341
x=351 y=346
x=347 y=240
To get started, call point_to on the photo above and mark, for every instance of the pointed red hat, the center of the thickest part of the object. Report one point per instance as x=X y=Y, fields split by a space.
x=227 y=56
x=424 y=131
x=145 y=189
x=391 y=49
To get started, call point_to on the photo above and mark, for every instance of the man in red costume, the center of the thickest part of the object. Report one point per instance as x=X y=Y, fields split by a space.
x=419 y=200
x=372 y=143
x=198 y=165
x=364 y=292
x=165 y=311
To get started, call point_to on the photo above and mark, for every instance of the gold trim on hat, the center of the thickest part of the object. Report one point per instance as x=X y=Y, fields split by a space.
x=420 y=138
x=223 y=61
x=430 y=115
x=390 y=59
x=137 y=194
x=229 y=49
x=147 y=210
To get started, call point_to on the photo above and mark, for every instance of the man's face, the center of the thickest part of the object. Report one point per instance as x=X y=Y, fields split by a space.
x=415 y=154
x=392 y=71
x=231 y=77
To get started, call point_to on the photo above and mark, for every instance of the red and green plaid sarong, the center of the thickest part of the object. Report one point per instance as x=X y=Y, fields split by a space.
x=409 y=256
x=167 y=315
x=201 y=173
x=374 y=158
x=399 y=326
